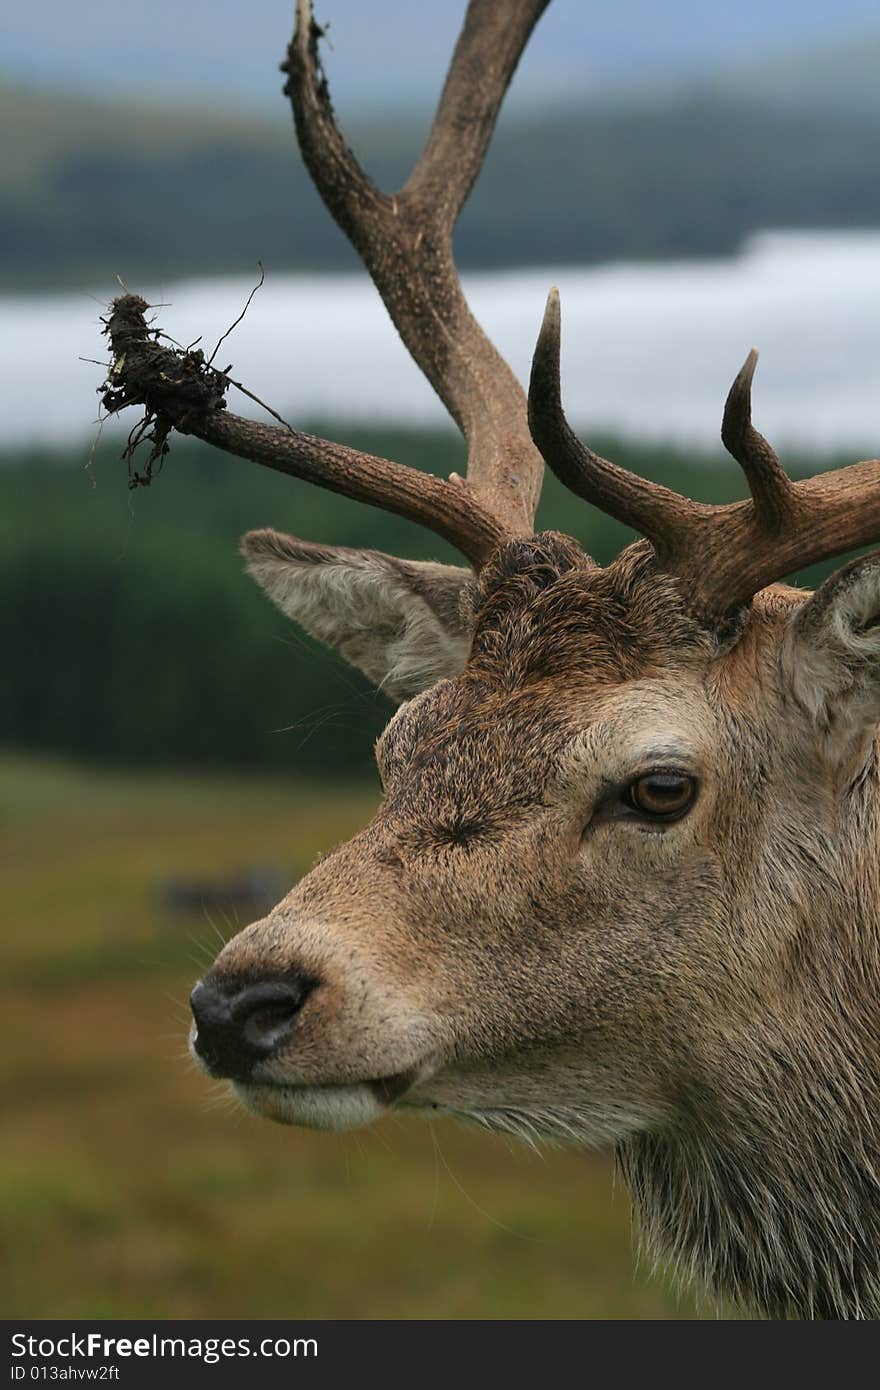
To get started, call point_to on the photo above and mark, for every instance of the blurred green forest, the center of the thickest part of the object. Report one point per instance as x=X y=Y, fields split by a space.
x=131 y=635
x=89 y=189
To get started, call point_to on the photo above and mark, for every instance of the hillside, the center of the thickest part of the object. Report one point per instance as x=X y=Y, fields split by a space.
x=836 y=78
x=89 y=190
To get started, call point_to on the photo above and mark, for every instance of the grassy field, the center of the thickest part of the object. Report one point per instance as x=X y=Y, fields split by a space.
x=129 y=1187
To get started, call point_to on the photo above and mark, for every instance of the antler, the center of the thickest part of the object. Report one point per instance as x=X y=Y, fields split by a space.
x=723 y=554
x=405 y=241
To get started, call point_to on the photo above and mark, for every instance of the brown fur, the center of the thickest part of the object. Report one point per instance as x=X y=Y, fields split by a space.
x=500 y=944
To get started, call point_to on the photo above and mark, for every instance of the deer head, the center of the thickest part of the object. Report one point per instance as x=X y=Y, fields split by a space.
x=623 y=886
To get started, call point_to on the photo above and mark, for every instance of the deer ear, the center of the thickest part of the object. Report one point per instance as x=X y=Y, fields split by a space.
x=399 y=621
x=832 y=652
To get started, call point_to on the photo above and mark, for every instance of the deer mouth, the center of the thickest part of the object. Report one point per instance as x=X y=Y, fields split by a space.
x=334 y=1105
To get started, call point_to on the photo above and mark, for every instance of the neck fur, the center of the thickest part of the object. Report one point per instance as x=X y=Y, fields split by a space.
x=777 y=1208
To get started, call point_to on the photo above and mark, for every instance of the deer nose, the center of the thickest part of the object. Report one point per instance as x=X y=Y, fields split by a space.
x=238 y=1025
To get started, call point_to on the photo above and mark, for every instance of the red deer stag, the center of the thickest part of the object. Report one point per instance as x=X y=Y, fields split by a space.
x=623 y=887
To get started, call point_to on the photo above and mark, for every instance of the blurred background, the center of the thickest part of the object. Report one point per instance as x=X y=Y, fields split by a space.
x=174 y=755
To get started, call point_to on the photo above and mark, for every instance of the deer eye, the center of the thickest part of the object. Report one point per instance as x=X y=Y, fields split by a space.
x=661 y=796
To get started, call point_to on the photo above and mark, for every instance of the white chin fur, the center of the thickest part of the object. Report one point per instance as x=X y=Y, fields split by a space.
x=314 y=1107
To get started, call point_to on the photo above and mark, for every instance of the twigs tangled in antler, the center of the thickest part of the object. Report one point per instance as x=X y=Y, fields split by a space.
x=180 y=390
x=176 y=387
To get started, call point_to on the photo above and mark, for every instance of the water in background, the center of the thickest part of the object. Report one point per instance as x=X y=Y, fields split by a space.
x=648 y=350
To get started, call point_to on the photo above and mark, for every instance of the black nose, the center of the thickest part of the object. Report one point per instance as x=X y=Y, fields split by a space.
x=238 y=1025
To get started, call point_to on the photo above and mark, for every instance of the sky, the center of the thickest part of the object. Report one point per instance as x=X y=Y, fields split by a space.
x=389 y=53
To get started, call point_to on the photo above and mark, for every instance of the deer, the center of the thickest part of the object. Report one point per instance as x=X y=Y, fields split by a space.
x=623 y=886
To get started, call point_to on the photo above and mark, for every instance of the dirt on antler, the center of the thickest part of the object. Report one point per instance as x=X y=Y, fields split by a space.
x=177 y=387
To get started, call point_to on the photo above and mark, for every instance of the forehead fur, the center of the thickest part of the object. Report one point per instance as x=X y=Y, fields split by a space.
x=553 y=634
x=544 y=609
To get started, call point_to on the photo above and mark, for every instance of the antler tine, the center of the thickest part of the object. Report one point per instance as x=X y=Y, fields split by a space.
x=181 y=391
x=486 y=56
x=653 y=510
x=405 y=241
x=735 y=555
x=722 y=555
x=769 y=484
x=444 y=507
x=348 y=192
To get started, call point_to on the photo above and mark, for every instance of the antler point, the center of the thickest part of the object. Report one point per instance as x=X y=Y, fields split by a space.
x=747 y=370
x=547 y=347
